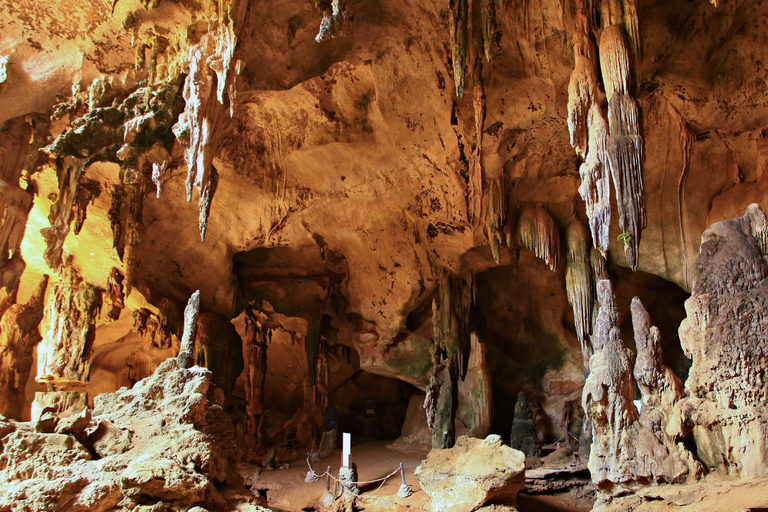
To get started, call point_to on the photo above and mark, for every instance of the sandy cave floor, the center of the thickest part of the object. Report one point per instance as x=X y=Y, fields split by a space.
x=287 y=491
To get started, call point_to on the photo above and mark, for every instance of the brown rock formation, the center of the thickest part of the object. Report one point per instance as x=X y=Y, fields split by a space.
x=473 y=473
x=629 y=447
x=724 y=336
x=19 y=336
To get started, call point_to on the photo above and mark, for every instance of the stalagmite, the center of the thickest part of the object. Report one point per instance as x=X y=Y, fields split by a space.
x=499 y=231
x=537 y=231
x=579 y=281
x=659 y=386
x=64 y=355
x=476 y=391
x=459 y=25
x=187 y=350
x=625 y=146
x=259 y=335
x=629 y=447
x=19 y=336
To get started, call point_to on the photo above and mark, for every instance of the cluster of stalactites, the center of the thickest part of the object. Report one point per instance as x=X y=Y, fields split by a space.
x=579 y=281
x=451 y=319
x=480 y=33
x=196 y=128
x=499 y=230
x=613 y=149
x=536 y=230
x=758 y=227
x=334 y=18
x=625 y=145
x=623 y=13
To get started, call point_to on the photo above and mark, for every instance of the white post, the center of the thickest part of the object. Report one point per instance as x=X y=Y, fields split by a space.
x=346 y=448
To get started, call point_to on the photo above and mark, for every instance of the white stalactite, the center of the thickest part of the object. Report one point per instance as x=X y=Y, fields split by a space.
x=537 y=231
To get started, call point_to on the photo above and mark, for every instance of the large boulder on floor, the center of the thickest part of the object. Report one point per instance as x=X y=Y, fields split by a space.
x=473 y=473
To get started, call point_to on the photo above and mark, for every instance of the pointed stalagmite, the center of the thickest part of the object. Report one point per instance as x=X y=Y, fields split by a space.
x=537 y=231
x=625 y=146
x=187 y=351
x=579 y=281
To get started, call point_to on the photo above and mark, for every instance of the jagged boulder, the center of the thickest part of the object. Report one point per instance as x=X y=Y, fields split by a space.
x=473 y=473
x=725 y=335
x=165 y=441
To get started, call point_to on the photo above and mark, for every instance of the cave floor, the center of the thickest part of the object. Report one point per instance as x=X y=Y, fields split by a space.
x=287 y=491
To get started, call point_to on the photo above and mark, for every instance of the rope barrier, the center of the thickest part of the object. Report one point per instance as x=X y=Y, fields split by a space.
x=383 y=479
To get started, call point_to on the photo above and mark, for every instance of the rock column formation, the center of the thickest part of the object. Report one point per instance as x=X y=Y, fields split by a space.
x=724 y=334
x=629 y=447
x=64 y=355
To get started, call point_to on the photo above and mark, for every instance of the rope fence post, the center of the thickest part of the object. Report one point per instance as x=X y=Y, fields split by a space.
x=405 y=490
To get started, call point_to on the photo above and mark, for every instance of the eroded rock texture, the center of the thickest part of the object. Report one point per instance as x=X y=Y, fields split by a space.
x=166 y=442
x=19 y=336
x=724 y=335
x=629 y=447
x=473 y=473
x=69 y=330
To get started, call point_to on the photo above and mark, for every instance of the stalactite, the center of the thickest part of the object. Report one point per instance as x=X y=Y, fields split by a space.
x=19 y=336
x=451 y=317
x=334 y=18
x=459 y=26
x=598 y=264
x=116 y=205
x=582 y=89
x=191 y=312
x=625 y=146
x=60 y=216
x=758 y=227
x=595 y=188
x=537 y=231
x=114 y=298
x=499 y=230
x=622 y=13
x=15 y=205
x=87 y=192
x=484 y=19
x=478 y=103
x=197 y=127
x=578 y=281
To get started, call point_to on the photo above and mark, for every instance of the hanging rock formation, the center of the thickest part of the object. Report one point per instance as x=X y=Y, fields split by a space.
x=499 y=230
x=579 y=281
x=628 y=447
x=625 y=147
x=537 y=231
x=334 y=18
x=458 y=16
x=198 y=127
x=19 y=336
x=724 y=334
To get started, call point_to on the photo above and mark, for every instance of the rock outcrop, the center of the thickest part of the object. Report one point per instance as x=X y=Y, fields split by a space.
x=166 y=442
x=473 y=473
x=724 y=335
